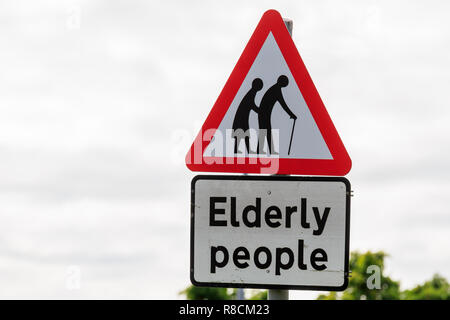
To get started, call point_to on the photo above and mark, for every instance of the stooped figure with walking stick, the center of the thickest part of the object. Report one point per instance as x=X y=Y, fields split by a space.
x=270 y=98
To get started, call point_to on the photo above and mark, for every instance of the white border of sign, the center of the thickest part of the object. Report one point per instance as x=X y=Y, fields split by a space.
x=271 y=178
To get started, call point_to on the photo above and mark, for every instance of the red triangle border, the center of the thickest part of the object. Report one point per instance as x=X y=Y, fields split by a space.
x=341 y=163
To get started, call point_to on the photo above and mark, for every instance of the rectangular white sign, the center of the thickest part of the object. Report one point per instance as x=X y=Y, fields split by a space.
x=270 y=232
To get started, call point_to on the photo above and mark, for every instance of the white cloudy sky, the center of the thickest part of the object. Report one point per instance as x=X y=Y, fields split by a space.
x=99 y=101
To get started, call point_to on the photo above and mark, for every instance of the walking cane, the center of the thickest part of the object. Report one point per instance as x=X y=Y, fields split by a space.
x=292 y=134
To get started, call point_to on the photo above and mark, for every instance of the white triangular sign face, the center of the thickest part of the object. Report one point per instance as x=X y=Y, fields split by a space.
x=269 y=117
x=308 y=142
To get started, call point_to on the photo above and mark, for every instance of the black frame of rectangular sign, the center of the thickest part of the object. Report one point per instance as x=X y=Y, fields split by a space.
x=272 y=178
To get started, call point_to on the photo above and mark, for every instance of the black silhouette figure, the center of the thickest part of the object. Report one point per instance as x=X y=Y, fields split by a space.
x=240 y=123
x=272 y=96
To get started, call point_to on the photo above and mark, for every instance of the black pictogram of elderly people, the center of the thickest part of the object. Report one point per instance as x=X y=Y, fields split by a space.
x=264 y=111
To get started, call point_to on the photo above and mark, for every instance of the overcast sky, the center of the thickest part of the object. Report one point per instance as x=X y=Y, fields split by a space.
x=100 y=100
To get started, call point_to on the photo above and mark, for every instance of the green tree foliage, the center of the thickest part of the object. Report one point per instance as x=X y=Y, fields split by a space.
x=358 y=289
x=436 y=289
x=259 y=295
x=208 y=293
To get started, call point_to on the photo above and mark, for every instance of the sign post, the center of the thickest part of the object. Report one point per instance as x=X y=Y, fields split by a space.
x=274 y=294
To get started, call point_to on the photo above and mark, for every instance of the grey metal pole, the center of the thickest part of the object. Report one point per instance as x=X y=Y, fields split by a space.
x=274 y=294
x=278 y=294
x=240 y=295
x=289 y=25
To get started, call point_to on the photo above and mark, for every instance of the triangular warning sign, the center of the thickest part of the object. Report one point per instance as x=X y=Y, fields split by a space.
x=269 y=117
